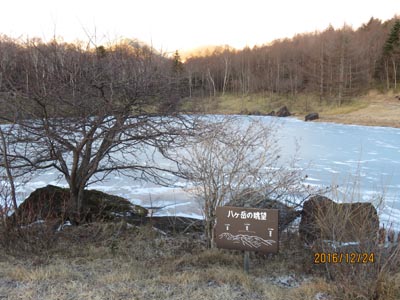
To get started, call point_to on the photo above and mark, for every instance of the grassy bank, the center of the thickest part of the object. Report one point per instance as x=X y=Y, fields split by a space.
x=110 y=261
x=265 y=103
x=374 y=108
x=113 y=261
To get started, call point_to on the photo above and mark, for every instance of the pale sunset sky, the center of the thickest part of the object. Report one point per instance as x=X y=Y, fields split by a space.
x=185 y=24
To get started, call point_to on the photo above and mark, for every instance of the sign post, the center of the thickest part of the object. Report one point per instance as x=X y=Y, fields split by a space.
x=246 y=262
x=247 y=229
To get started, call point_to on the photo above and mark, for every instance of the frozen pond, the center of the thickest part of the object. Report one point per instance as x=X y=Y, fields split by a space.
x=360 y=159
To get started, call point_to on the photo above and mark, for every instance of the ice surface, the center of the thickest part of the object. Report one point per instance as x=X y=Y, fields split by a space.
x=332 y=154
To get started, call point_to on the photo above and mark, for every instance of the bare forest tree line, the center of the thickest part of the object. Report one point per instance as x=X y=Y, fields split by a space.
x=335 y=64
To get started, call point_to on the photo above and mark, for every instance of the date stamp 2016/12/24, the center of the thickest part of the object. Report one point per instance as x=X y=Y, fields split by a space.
x=348 y=258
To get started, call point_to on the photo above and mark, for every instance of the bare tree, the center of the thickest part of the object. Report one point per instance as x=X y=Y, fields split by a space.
x=10 y=169
x=12 y=174
x=232 y=157
x=89 y=112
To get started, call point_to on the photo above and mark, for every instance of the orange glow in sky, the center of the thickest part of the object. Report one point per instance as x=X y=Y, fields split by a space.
x=185 y=24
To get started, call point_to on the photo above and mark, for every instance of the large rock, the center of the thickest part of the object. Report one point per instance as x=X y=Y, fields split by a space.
x=52 y=203
x=255 y=199
x=311 y=117
x=283 y=112
x=324 y=219
x=271 y=114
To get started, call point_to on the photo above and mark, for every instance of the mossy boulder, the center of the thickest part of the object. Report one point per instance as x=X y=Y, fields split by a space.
x=53 y=203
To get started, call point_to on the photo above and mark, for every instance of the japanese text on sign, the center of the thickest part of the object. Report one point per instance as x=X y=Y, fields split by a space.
x=244 y=215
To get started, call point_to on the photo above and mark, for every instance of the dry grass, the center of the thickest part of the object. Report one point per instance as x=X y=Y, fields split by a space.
x=347 y=108
x=374 y=108
x=106 y=261
x=112 y=261
x=229 y=104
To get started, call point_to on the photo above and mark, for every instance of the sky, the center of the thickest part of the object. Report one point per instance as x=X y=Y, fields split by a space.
x=171 y=25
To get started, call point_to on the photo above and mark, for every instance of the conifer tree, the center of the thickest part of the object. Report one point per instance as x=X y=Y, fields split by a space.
x=391 y=53
x=177 y=63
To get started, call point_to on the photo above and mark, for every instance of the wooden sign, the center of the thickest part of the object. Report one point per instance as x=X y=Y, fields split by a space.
x=248 y=229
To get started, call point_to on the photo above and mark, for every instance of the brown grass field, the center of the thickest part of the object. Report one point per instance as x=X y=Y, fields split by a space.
x=113 y=261
x=372 y=109
x=110 y=261
x=375 y=110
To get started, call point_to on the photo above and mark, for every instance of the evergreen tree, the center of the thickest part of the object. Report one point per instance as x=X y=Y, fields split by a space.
x=391 y=54
x=393 y=42
x=177 y=66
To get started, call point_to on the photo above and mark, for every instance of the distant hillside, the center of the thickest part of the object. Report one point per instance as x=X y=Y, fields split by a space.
x=335 y=65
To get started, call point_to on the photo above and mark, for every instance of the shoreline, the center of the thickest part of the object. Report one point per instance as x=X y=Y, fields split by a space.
x=372 y=109
x=341 y=119
x=380 y=111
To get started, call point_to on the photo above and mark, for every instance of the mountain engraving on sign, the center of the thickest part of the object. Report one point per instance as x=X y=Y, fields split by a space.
x=249 y=229
x=246 y=240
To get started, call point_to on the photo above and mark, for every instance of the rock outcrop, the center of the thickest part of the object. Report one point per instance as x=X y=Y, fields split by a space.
x=52 y=203
x=311 y=117
x=283 y=112
x=324 y=219
x=271 y=114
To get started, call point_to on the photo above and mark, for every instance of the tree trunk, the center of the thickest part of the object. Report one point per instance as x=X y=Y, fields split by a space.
x=330 y=79
x=202 y=85
x=278 y=72
x=212 y=82
x=76 y=202
x=190 y=84
x=7 y=168
x=387 y=74
x=208 y=233
x=394 y=73
x=209 y=217
x=225 y=76
x=210 y=222
x=341 y=77
x=350 y=77
x=321 y=76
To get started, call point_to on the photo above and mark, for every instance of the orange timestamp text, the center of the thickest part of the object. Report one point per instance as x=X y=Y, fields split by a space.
x=348 y=258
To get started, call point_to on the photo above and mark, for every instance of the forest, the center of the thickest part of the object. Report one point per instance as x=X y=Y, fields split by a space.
x=334 y=65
